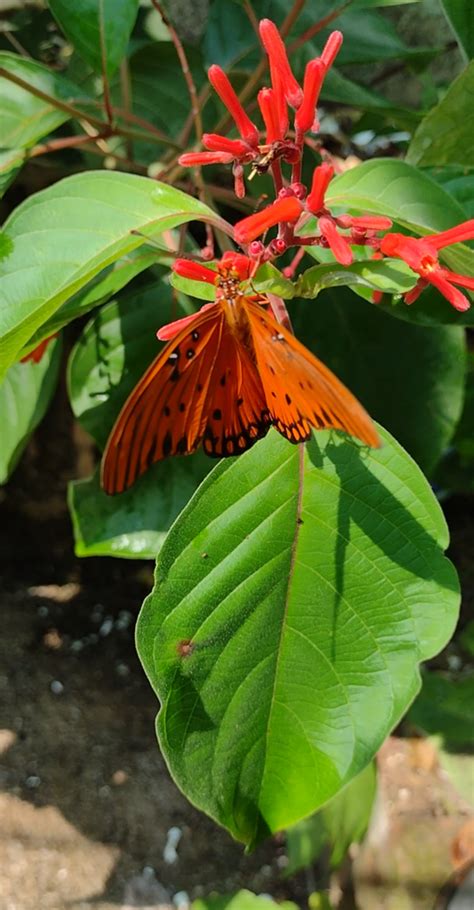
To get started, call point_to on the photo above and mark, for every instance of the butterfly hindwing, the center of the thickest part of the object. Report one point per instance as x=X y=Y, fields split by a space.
x=301 y=392
x=166 y=412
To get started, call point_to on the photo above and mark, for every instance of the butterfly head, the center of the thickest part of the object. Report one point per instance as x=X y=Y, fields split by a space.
x=228 y=283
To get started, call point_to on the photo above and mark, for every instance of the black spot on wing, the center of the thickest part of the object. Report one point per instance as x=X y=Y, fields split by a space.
x=167 y=444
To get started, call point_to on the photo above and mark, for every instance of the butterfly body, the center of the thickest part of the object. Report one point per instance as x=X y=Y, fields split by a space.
x=228 y=375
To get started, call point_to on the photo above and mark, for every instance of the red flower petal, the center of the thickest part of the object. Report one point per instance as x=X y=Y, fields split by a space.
x=287 y=209
x=313 y=80
x=464 y=231
x=365 y=222
x=172 y=328
x=273 y=44
x=242 y=264
x=38 y=352
x=456 y=299
x=322 y=177
x=194 y=159
x=235 y=147
x=331 y=48
x=337 y=244
x=187 y=268
x=222 y=86
x=267 y=103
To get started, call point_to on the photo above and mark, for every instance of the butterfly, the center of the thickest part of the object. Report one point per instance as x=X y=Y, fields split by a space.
x=229 y=373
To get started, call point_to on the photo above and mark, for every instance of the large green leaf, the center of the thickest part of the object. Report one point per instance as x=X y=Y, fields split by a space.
x=459 y=182
x=58 y=240
x=409 y=377
x=387 y=186
x=342 y=822
x=25 y=394
x=460 y=15
x=98 y=29
x=25 y=118
x=446 y=134
x=11 y=161
x=114 y=350
x=242 y=900
x=295 y=596
x=446 y=707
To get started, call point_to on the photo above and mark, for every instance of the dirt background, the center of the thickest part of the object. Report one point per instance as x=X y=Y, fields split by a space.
x=86 y=802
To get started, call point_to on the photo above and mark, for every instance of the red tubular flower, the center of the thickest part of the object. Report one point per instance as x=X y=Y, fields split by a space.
x=279 y=62
x=187 y=268
x=267 y=103
x=194 y=159
x=313 y=80
x=235 y=147
x=365 y=222
x=331 y=48
x=280 y=99
x=222 y=86
x=287 y=209
x=338 y=244
x=421 y=254
x=242 y=264
x=322 y=177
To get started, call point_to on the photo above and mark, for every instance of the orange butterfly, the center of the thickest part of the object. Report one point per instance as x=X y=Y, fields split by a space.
x=228 y=374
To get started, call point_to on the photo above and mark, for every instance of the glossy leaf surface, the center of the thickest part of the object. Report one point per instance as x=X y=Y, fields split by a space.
x=295 y=597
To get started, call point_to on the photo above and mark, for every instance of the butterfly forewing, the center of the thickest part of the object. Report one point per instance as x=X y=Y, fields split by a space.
x=166 y=412
x=300 y=391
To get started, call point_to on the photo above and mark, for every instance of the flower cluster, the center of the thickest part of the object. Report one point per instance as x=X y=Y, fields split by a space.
x=295 y=204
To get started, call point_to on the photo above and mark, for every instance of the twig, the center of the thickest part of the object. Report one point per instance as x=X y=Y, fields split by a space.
x=317 y=27
x=185 y=68
x=55 y=145
x=105 y=78
x=126 y=92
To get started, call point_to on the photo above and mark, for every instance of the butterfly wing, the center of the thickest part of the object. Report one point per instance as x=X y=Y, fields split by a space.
x=237 y=411
x=301 y=392
x=202 y=386
x=166 y=412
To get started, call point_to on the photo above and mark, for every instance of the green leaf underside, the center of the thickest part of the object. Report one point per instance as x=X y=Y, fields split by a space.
x=59 y=239
x=310 y=583
x=446 y=133
x=446 y=707
x=99 y=29
x=25 y=394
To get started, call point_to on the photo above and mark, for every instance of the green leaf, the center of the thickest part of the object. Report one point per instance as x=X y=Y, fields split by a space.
x=269 y=280
x=369 y=37
x=386 y=186
x=133 y=525
x=25 y=118
x=242 y=900
x=342 y=822
x=98 y=291
x=25 y=394
x=460 y=16
x=446 y=707
x=459 y=183
x=58 y=240
x=98 y=29
x=389 y=275
x=295 y=596
x=409 y=377
x=446 y=134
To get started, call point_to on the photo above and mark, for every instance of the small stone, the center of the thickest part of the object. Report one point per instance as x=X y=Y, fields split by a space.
x=33 y=782
x=56 y=687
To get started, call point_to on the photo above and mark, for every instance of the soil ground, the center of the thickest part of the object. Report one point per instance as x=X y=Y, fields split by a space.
x=86 y=802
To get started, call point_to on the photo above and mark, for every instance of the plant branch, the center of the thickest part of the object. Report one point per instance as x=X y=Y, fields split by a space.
x=126 y=93
x=196 y=112
x=105 y=78
x=317 y=27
